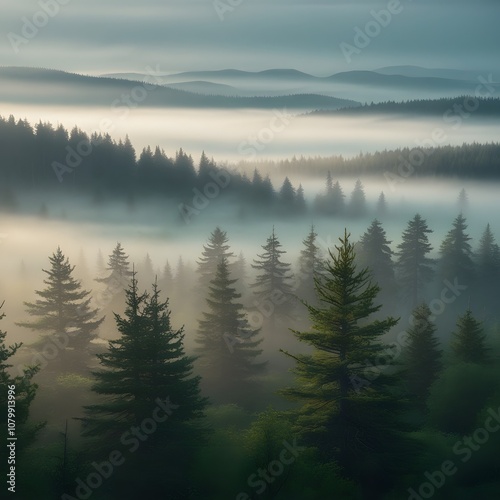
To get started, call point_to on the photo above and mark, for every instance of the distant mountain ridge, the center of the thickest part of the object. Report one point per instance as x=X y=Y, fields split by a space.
x=409 y=82
x=32 y=85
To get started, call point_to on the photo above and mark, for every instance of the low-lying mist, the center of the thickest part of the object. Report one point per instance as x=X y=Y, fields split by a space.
x=247 y=134
x=89 y=233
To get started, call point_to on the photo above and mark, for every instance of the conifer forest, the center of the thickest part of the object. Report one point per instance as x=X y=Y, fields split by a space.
x=249 y=250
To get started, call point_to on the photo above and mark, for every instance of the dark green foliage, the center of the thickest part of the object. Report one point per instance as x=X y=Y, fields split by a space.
x=488 y=257
x=63 y=308
x=375 y=253
x=487 y=262
x=458 y=395
x=456 y=254
x=414 y=268
x=469 y=344
x=287 y=193
x=144 y=369
x=25 y=391
x=357 y=428
x=228 y=347
x=423 y=356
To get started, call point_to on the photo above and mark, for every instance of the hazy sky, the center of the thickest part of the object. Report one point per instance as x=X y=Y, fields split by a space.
x=97 y=36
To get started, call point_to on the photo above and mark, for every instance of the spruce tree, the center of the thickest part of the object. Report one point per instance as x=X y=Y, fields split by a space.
x=414 y=268
x=463 y=201
x=331 y=202
x=488 y=256
x=287 y=193
x=337 y=198
x=350 y=419
x=147 y=383
x=381 y=208
x=166 y=281
x=310 y=264
x=63 y=309
x=146 y=271
x=375 y=253
x=228 y=347
x=214 y=251
x=118 y=271
x=423 y=356
x=24 y=391
x=456 y=254
x=274 y=279
x=357 y=203
x=300 y=202
x=470 y=341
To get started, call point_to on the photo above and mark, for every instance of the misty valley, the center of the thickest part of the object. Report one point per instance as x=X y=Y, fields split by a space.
x=295 y=328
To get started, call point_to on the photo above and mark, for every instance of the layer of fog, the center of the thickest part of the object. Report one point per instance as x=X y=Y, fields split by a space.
x=154 y=229
x=234 y=135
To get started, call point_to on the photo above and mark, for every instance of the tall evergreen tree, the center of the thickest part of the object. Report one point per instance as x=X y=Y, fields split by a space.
x=357 y=428
x=488 y=256
x=487 y=262
x=423 y=356
x=287 y=194
x=381 y=208
x=146 y=271
x=300 y=201
x=329 y=184
x=214 y=251
x=227 y=345
x=147 y=377
x=63 y=308
x=375 y=253
x=470 y=341
x=337 y=199
x=24 y=392
x=274 y=278
x=166 y=281
x=456 y=254
x=331 y=202
x=118 y=271
x=310 y=264
x=357 y=203
x=414 y=268
x=463 y=201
